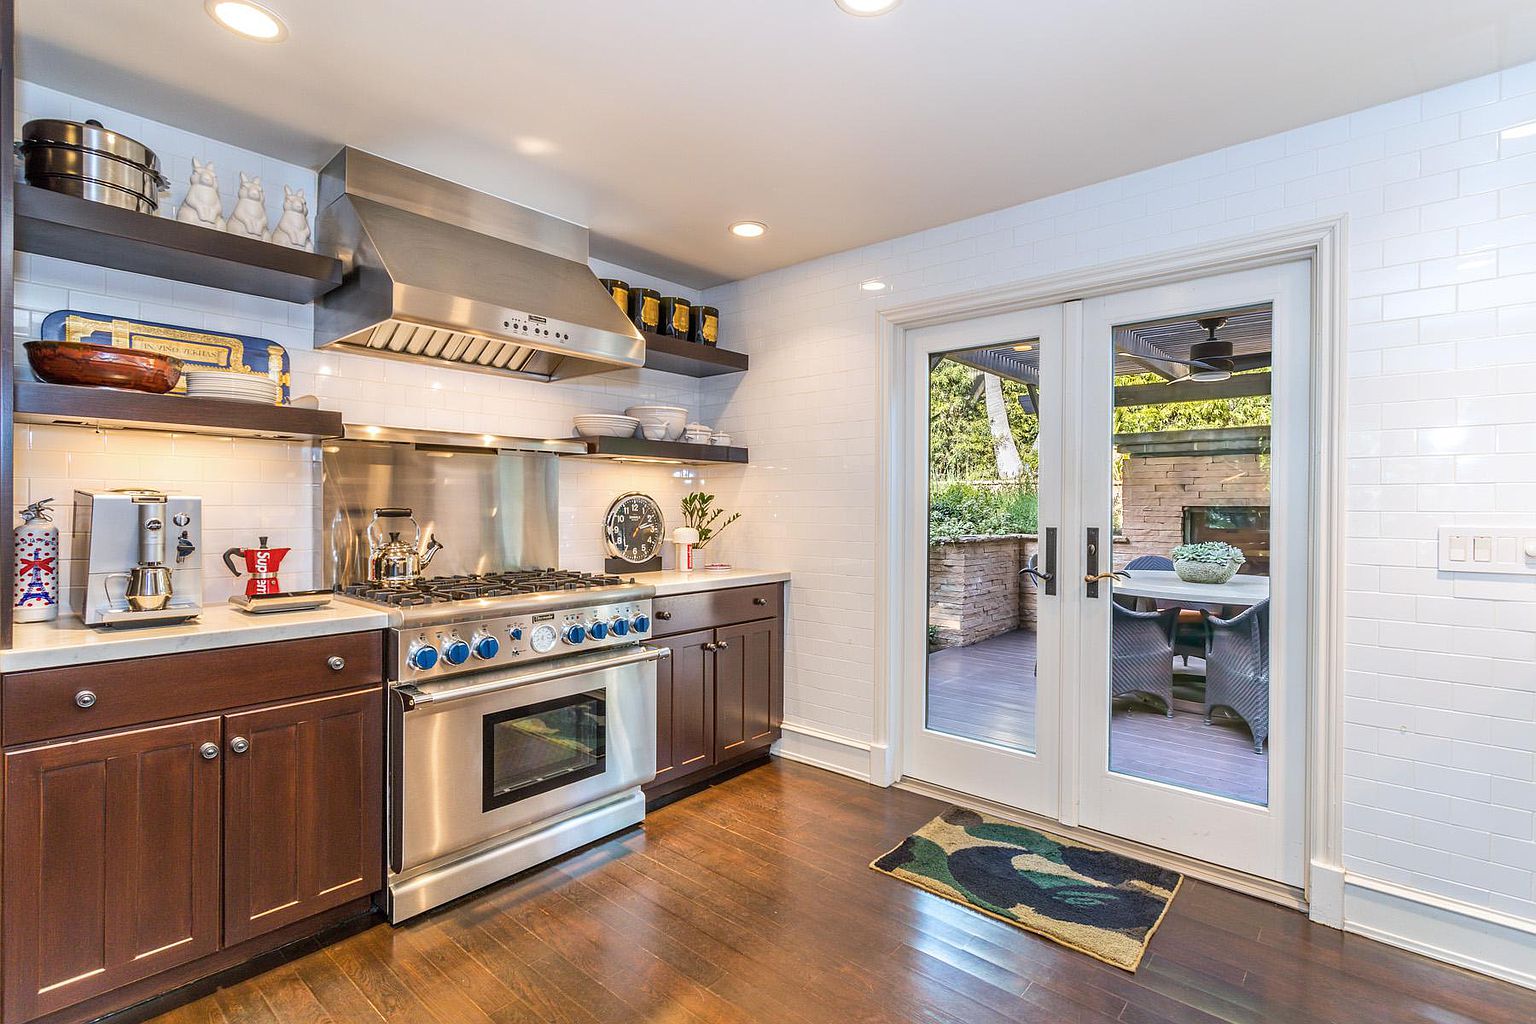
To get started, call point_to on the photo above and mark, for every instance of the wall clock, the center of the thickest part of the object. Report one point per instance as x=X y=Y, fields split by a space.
x=634 y=532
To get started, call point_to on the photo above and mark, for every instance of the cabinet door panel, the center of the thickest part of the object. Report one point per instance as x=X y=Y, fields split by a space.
x=303 y=810
x=748 y=687
x=685 y=707
x=111 y=863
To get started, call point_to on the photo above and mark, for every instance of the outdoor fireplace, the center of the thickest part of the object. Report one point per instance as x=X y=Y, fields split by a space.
x=1242 y=526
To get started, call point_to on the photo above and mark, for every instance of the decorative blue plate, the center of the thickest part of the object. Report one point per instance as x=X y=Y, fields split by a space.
x=193 y=347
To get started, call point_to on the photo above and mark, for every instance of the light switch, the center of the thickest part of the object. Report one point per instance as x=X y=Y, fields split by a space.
x=1482 y=549
x=1487 y=550
x=1458 y=547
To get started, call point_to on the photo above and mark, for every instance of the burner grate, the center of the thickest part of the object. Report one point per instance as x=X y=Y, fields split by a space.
x=444 y=589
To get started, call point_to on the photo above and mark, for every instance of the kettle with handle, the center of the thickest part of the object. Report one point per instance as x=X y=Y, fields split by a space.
x=394 y=562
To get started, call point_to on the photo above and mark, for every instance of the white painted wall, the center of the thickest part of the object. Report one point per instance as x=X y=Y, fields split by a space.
x=1440 y=195
x=272 y=487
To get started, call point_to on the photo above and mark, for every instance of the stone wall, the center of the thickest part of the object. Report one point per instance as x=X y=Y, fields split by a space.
x=975 y=591
x=1155 y=490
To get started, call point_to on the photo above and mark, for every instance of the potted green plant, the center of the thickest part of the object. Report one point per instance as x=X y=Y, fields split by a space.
x=699 y=513
x=1209 y=562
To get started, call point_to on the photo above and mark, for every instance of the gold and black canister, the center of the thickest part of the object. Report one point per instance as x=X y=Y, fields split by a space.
x=676 y=317
x=645 y=308
x=706 y=325
x=619 y=290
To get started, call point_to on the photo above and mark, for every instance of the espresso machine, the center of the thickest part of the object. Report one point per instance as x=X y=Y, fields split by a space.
x=143 y=563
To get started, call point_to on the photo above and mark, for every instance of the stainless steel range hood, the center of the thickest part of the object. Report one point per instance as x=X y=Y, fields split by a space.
x=439 y=273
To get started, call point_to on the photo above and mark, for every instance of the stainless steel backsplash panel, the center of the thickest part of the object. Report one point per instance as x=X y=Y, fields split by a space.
x=490 y=510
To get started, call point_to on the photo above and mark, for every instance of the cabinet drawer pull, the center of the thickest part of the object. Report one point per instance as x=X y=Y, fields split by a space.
x=209 y=751
x=663 y=615
x=239 y=745
x=722 y=645
x=759 y=601
x=711 y=646
x=337 y=662
x=85 y=699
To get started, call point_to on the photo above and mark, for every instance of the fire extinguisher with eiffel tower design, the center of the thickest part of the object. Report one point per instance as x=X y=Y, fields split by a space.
x=37 y=564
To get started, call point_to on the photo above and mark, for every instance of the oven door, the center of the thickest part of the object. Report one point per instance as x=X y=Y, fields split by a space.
x=478 y=758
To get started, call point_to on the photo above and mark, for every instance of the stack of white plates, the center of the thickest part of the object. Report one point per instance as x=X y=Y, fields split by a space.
x=232 y=385
x=604 y=425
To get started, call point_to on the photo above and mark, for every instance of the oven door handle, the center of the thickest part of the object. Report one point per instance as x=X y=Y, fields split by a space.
x=441 y=693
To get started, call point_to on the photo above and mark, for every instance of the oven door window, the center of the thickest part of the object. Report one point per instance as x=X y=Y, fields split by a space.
x=532 y=750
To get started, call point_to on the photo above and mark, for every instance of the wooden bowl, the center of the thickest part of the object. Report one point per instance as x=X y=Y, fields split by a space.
x=101 y=366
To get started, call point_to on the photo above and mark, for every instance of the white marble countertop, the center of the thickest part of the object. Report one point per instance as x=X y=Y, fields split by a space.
x=69 y=641
x=670 y=581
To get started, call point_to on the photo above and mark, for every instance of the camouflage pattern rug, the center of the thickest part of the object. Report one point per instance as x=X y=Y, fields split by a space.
x=1090 y=900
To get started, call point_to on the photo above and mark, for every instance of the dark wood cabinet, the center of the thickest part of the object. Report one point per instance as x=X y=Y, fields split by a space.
x=177 y=822
x=302 y=810
x=111 y=862
x=749 y=695
x=685 y=706
x=720 y=697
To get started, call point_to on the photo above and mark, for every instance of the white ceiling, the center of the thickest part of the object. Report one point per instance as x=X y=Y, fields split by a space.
x=658 y=122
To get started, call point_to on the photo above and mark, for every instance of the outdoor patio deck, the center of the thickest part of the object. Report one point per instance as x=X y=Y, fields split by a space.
x=987 y=691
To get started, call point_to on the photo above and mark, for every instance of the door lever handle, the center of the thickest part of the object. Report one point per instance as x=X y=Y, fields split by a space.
x=1117 y=575
x=1038 y=576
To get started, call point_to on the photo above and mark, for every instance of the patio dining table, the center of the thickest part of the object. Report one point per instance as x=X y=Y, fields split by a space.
x=1165 y=585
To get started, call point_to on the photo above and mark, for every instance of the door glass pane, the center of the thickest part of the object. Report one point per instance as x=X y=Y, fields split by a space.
x=534 y=749
x=1189 y=680
x=983 y=486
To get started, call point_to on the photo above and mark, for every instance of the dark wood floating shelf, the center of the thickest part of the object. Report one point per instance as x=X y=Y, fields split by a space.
x=113 y=407
x=678 y=355
x=54 y=224
x=635 y=449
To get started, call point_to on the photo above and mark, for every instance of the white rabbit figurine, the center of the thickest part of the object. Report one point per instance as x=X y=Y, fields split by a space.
x=293 y=226
x=202 y=206
x=249 y=217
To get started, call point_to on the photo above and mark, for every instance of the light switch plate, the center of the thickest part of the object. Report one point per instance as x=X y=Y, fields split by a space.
x=1505 y=550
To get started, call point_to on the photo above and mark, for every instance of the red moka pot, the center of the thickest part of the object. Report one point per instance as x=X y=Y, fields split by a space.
x=261 y=564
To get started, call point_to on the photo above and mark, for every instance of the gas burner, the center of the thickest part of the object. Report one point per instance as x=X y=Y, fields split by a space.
x=483 y=586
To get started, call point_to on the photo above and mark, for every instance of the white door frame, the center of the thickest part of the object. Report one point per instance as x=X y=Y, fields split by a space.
x=898 y=585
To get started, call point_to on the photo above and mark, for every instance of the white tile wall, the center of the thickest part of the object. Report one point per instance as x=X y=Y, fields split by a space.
x=256 y=487
x=1441 y=199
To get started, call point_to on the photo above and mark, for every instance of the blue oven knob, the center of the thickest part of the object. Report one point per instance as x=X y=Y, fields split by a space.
x=619 y=627
x=641 y=623
x=576 y=634
x=456 y=651
x=598 y=631
x=486 y=647
x=516 y=632
x=422 y=656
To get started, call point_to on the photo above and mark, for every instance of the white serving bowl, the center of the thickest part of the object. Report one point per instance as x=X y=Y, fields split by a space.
x=606 y=426
x=654 y=431
x=674 y=416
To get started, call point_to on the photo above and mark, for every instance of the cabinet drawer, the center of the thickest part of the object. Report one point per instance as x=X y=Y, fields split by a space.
x=46 y=704
x=684 y=613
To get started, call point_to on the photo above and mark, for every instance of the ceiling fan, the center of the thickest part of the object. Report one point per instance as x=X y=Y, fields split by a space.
x=1209 y=360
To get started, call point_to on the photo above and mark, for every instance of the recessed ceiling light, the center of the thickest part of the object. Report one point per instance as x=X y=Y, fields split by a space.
x=247 y=19
x=867 y=8
x=749 y=229
x=1023 y=348
x=874 y=284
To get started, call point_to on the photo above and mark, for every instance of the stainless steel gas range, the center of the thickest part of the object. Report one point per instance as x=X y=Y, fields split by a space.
x=522 y=724
x=522 y=716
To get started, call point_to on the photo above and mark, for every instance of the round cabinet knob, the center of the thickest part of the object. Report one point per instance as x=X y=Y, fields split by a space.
x=456 y=651
x=336 y=662
x=85 y=699
x=486 y=647
x=209 y=751
x=516 y=632
x=759 y=601
x=576 y=634
x=422 y=656
x=641 y=623
x=598 y=631
x=619 y=627
x=239 y=744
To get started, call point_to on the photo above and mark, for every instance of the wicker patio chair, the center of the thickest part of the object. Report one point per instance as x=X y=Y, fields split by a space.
x=1149 y=562
x=1237 y=669
x=1190 y=638
x=1143 y=654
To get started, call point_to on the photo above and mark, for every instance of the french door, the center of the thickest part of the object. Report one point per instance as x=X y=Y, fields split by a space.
x=1158 y=704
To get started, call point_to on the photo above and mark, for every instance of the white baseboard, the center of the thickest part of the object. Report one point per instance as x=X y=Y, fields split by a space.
x=1473 y=937
x=1325 y=894
x=811 y=746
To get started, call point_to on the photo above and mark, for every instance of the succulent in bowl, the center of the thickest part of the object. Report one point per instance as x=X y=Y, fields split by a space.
x=1207 y=562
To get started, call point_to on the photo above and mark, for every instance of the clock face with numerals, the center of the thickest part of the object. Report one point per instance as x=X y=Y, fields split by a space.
x=633 y=528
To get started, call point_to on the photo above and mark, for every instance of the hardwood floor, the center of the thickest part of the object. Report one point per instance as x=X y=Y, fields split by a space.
x=753 y=901
x=987 y=691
